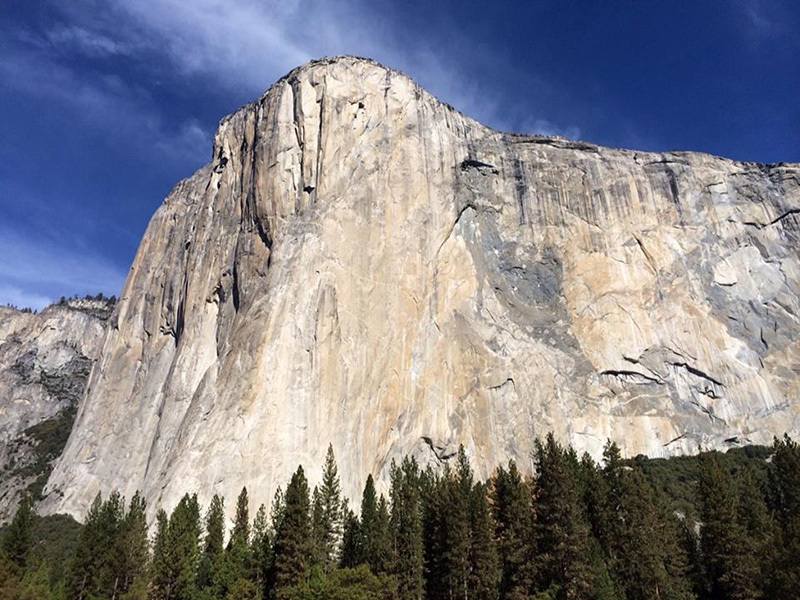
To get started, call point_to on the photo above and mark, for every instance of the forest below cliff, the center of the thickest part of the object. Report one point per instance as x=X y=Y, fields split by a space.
x=709 y=527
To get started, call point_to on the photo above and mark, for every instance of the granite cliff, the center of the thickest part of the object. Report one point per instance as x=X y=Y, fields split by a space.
x=363 y=265
x=45 y=359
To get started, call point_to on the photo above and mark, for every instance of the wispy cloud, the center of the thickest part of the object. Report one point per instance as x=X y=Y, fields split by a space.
x=90 y=43
x=22 y=298
x=766 y=21
x=234 y=50
x=545 y=127
x=102 y=101
x=244 y=46
x=36 y=270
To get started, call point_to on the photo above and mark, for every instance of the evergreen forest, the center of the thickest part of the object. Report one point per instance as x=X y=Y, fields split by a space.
x=715 y=526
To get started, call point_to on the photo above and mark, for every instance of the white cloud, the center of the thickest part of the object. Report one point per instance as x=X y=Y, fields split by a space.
x=37 y=270
x=104 y=102
x=91 y=43
x=758 y=21
x=244 y=46
x=768 y=22
x=545 y=127
x=21 y=298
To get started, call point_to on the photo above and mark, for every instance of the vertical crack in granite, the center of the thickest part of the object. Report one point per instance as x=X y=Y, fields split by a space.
x=370 y=268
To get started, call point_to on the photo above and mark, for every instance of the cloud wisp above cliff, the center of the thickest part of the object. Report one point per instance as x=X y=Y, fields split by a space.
x=108 y=103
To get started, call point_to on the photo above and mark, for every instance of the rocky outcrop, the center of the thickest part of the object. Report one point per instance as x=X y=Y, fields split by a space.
x=363 y=265
x=45 y=359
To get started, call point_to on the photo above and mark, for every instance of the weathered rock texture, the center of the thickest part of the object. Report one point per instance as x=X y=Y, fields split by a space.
x=45 y=360
x=363 y=265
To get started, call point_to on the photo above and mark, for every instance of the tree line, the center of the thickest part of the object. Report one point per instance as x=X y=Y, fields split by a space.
x=575 y=529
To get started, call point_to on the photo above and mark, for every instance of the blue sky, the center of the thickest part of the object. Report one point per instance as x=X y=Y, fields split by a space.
x=105 y=105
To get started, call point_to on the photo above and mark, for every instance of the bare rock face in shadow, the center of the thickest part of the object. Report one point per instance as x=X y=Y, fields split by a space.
x=361 y=264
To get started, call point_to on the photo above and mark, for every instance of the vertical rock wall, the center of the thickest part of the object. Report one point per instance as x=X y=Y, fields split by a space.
x=362 y=265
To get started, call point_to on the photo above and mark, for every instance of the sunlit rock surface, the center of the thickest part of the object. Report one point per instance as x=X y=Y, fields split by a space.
x=362 y=265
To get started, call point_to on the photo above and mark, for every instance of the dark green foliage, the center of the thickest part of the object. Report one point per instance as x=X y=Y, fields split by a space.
x=132 y=547
x=54 y=540
x=448 y=533
x=176 y=552
x=260 y=544
x=293 y=547
x=561 y=528
x=513 y=517
x=159 y=572
x=17 y=537
x=366 y=530
x=351 y=531
x=484 y=565
x=268 y=567
x=330 y=522
x=92 y=570
x=631 y=519
x=237 y=559
x=316 y=528
x=373 y=536
x=784 y=505
x=111 y=554
x=676 y=478
x=406 y=525
x=730 y=569
x=209 y=573
x=346 y=584
x=576 y=531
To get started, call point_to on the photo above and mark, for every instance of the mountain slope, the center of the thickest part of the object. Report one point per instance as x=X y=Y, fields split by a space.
x=45 y=359
x=361 y=264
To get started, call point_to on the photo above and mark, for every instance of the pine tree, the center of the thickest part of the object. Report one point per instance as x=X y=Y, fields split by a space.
x=259 y=544
x=459 y=536
x=96 y=564
x=17 y=538
x=365 y=551
x=634 y=518
x=133 y=547
x=484 y=564
x=236 y=564
x=511 y=504
x=596 y=495
x=374 y=539
x=160 y=588
x=728 y=570
x=382 y=546
x=562 y=532
x=784 y=504
x=317 y=534
x=331 y=499
x=277 y=512
x=351 y=533
x=447 y=533
x=757 y=526
x=434 y=533
x=82 y=570
x=406 y=522
x=210 y=567
x=293 y=543
x=110 y=558
x=176 y=552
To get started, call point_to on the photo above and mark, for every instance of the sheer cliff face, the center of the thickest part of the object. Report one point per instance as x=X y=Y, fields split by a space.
x=362 y=265
x=45 y=360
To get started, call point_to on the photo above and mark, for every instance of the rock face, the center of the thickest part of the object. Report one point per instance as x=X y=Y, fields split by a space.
x=361 y=264
x=45 y=360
